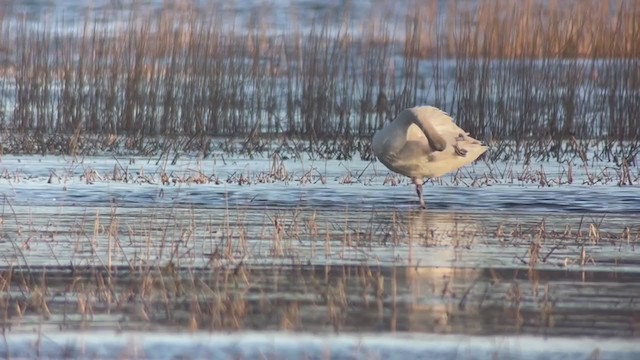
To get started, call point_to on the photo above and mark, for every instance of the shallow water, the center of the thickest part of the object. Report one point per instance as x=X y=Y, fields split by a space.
x=316 y=248
x=359 y=185
x=496 y=302
x=288 y=345
x=343 y=204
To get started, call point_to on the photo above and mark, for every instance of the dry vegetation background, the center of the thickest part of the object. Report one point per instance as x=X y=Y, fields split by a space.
x=535 y=73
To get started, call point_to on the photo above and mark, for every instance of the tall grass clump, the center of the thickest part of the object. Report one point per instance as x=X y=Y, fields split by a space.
x=527 y=75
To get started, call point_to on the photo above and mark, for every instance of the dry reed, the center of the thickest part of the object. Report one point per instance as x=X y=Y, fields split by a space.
x=175 y=80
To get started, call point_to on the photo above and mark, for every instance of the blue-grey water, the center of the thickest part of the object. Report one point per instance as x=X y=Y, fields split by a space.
x=332 y=248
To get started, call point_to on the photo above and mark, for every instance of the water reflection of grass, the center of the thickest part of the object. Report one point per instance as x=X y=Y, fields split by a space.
x=153 y=238
x=317 y=270
x=320 y=299
x=559 y=72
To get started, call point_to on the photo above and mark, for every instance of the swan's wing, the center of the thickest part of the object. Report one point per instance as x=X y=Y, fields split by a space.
x=423 y=128
x=458 y=141
x=439 y=120
x=413 y=151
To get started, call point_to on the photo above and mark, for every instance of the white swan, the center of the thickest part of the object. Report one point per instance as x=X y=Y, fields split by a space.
x=424 y=142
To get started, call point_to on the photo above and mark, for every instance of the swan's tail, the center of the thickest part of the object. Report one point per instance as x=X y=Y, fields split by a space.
x=468 y=147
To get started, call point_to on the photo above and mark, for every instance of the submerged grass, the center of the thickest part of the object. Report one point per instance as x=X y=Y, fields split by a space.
x=536 y=73
x=300 y=297
x=185 y=238
x=242 y=267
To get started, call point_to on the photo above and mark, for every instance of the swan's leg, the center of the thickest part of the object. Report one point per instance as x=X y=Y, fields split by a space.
x=418 y=183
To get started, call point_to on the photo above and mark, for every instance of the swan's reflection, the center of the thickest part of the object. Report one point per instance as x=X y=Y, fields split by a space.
x=436 y=282
x=430 y=228
x=442 y=228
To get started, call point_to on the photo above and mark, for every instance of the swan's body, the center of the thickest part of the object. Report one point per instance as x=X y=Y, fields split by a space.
x=424 y=142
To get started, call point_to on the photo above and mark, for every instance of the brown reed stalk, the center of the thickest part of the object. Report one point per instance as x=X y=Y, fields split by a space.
x=505 y=69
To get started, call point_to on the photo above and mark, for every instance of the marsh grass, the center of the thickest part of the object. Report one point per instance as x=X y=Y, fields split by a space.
x=281 y=169
x=235 y=269
x=174 y=79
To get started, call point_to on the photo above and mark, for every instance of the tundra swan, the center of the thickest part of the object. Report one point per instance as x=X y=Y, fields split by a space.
x=424 y=142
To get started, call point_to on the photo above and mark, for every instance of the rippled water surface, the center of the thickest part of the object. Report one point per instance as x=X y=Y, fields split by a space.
x=319 y=247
